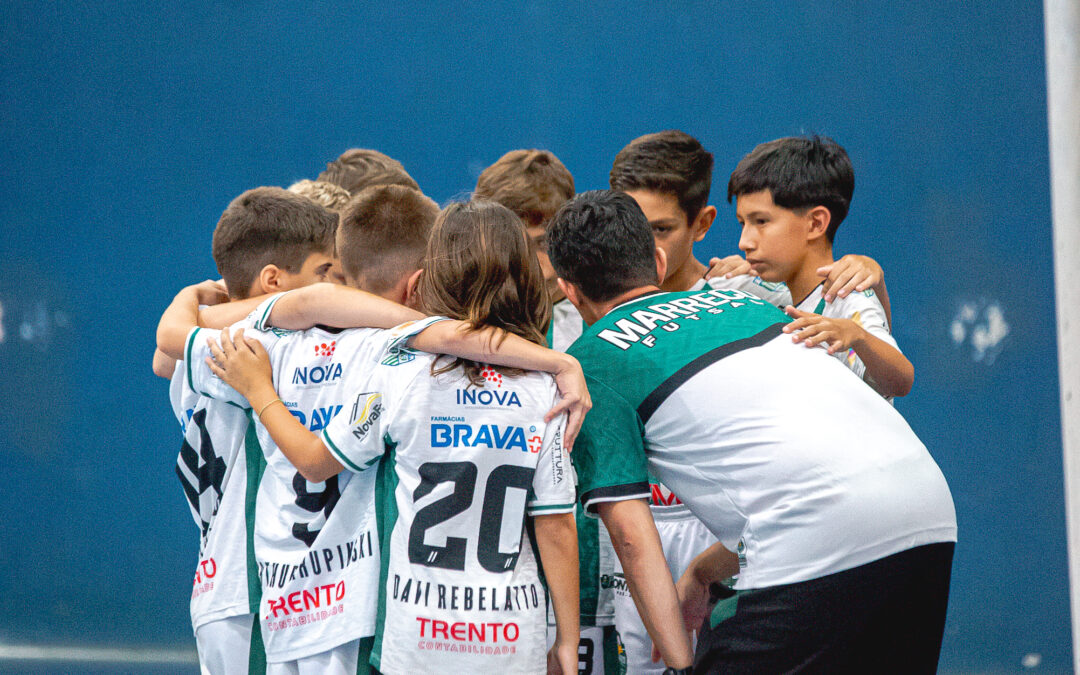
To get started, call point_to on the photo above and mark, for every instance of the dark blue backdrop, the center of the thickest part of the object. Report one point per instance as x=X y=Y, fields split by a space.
x=128 y=128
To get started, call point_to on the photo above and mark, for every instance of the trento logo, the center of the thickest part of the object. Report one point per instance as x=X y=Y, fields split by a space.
x=486 y=397
x=309 y=376
x=485 y=435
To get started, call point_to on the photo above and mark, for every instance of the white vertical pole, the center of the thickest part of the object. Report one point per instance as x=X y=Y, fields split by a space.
x=1062 y=23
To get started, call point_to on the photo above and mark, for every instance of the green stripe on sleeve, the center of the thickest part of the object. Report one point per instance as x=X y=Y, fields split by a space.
x=552 y=507
x=187 y=357
x=338 y=454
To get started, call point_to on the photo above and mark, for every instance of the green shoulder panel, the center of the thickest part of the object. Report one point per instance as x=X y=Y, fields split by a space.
x=639 y=346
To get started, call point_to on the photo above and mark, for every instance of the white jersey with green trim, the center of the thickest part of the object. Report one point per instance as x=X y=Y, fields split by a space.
x=862 y=307
x=598 y=563
x=462 y=466
x=219 y=478
x=776 y=294
x=315 y=544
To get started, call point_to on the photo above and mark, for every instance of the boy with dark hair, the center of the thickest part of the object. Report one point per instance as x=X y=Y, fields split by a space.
x=534 y=184
x=840 y=569
x=267 y=240
x=791 y=196
x=387 y=227
x=359 y=168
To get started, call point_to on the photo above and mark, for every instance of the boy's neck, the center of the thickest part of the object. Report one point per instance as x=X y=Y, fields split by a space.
x=685 y=277
x=806 y=279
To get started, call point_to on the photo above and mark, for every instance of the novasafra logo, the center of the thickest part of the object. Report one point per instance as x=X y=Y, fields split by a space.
x=366 y=411
x=487 y=397
x=484 y=436
x=314 y=376
x=639 y=325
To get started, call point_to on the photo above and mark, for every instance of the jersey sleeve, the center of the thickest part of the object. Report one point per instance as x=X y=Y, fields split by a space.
x=199 y=376
x=553 y=483
x=609 y=454
x=396 y=348
x=864 y=308
x=776 y=294
x=356 y=439
x=181 y=396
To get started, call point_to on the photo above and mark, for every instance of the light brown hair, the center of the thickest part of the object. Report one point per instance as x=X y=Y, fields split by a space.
x=269 y=226
x=531 y=183
x=328 y=195
x=479 y=269
x=360 y=168
x=383 y=233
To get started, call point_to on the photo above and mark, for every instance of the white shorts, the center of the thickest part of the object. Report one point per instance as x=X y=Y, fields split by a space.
x=225 y=647
x=340 y=660
x=598 y=650
x=682 y=537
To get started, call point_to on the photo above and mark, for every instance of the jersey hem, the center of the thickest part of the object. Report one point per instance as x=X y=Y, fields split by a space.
x=614 y=493
x=748 y=580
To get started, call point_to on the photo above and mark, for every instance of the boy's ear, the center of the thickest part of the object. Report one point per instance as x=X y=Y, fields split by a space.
x=411 y=286
x=661 y=264
x=700 y=227
x=270 y=280
x=819 y=217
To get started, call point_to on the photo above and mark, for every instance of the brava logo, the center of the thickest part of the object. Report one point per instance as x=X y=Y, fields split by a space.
x=485 y=397
x=316 y=375
x=486 y=435
x=320 y=417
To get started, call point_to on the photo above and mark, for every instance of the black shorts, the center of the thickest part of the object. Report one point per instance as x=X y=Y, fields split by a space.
x=887 y=616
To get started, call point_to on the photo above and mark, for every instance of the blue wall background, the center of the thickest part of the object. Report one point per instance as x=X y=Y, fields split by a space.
x=127 y=129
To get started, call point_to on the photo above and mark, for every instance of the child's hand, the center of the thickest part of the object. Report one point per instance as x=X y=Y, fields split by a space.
x=813 y=330
x=850 y=273
x=575 y=401
x=562 y=658
x=243 y=364
x=211 y=292
x=731 y=266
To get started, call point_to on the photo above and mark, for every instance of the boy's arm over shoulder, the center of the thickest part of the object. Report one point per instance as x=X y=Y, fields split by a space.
x=776 y=294
x=857 y=325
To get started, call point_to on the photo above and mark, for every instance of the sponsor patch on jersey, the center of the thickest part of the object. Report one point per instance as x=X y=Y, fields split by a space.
x=482 y=435
x=366 y=410
x=398 y=357
x=486 y=397
x=316 y=376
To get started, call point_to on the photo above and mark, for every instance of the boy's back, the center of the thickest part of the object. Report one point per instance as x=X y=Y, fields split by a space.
x=822 y=487
x=315 y=543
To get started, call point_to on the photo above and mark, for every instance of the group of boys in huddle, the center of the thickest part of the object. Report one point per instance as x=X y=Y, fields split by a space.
x=704 y=473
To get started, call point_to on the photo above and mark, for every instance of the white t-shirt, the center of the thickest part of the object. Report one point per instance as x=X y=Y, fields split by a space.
x=462 y=467
x=316 y=544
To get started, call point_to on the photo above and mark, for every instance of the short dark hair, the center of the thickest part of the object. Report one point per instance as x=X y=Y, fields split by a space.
x=269 y=226
x=801 y=172
x=601 y=242
x=383 y=232
x=531 y=183
x=359 y=168
x=670 y=162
